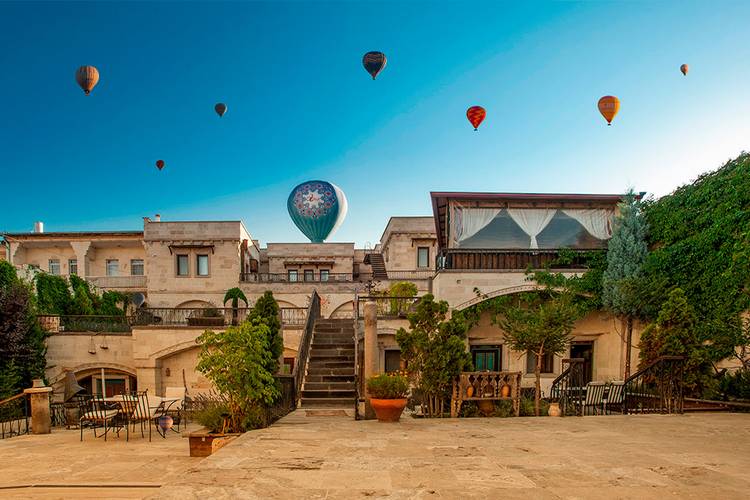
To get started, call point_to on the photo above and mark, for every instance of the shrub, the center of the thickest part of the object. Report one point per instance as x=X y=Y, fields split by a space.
x=736 y=385
x=527 y=407
x=211 y=415
x=387 y=386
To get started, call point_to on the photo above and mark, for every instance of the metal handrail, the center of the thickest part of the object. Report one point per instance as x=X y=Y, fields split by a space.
x=567 y=388
x=303 y=353
x=15 y=412
x=389 y=306
x=656 y=388
x=300 y=278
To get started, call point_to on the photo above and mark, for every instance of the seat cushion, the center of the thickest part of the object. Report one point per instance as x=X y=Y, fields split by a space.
x=99 y=415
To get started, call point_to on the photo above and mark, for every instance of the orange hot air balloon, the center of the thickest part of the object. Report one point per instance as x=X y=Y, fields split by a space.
x=159 y=164
x=609 y=105
x=684 y=68
x=87 y=78
x=476 y=115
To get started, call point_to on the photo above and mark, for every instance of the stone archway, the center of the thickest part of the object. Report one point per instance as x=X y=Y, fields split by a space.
x=345 y=310
x=531 y=287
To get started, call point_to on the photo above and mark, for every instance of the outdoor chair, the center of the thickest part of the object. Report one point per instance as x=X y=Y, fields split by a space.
x=594 y=402
x=615 y=398
x=143 y=414
x=96 y=413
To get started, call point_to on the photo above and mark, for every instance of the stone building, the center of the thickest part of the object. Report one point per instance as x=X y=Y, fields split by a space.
x=474 y=246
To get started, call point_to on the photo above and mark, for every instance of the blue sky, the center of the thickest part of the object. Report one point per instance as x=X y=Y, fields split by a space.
x=302 y=107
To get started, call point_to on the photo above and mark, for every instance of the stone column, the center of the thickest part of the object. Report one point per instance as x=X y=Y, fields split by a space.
x=371 y=351
x=41 y=422
x=81 y=249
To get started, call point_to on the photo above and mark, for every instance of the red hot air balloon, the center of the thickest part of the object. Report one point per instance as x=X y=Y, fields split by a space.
x=87 y=78
x=684 y=68
x=159 y=164
x=609 y=105
x=374 y=62
x=220 y=109
x=476 y=115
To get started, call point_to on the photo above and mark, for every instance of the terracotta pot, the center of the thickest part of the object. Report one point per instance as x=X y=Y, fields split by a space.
x=388 y=410
x=554 y=410
x=505 y=391
x=469 y=392
x=486 y=407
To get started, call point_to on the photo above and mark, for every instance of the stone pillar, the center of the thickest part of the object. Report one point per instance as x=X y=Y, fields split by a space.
x=81 y=249
x=41 y=422
x=371 y=351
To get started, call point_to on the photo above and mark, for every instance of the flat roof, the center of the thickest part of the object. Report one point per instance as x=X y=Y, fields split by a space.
x=71 y=234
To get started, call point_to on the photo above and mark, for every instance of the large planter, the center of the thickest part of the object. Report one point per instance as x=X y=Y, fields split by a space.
x=388 y=410
x=204 y=443
x=486 y=407
x=205 y=321
x=554 y=410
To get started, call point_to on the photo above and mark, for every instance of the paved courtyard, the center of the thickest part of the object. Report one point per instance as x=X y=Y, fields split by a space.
x=638 y=457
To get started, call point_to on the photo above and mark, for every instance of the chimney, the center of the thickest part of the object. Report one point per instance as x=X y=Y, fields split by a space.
x=157 y=218
x=39 y=227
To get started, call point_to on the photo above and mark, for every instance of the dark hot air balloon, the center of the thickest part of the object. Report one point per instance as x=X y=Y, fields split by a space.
x=159 y=164
x=220 y=108
x=609 y=105
x=476 y=115
x=317 y=208
x=374 y=62
x=87 y=78
x=684 y=68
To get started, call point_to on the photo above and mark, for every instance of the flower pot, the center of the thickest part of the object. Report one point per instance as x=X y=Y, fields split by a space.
x=388 y=410
x=469 y=392
x=486 y=407
x=205 y=321
x=505 y=391
x=554 y=410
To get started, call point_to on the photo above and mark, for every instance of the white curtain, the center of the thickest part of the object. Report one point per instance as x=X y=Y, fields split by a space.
x=598 y=222
x=532 y=221
x=469 y=221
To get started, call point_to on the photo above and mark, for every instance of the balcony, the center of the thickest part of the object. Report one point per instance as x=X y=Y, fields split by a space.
x=118 y=282
x=471 y=259
x=303 y=278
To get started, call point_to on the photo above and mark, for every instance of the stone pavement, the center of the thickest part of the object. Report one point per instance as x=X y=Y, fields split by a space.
x=639 y=457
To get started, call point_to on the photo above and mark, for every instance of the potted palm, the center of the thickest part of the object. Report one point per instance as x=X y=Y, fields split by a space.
x=235 y=295
x=388 y=396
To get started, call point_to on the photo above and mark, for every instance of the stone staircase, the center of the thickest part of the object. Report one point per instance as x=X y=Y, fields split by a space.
x=329 y=378
x=378 y=266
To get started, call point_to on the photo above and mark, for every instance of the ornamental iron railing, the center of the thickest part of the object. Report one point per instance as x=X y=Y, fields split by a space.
x=657 y=388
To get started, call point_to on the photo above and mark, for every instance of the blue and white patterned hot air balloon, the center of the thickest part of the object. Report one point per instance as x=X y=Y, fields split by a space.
x=317 y=208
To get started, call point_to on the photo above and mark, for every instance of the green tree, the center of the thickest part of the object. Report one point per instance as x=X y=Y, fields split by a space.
x=266 y=309
x=53 y=294
x=626 y=254
x=81 y=304
x=401 y=289
x=673 y=334
x=236 y=361
x=537 y=324
x=434 y=351
x=235 y=295
x=8 y=274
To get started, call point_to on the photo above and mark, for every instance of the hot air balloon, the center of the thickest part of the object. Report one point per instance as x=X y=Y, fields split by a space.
x=159 y=164
x=220 y=108
x=317 y=208
x=476 y=115
x=87 y=78
x=374 y=63
x=684 y=68
x=609 y=105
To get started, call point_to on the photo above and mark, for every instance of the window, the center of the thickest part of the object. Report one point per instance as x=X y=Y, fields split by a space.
x=548 y=363
x=54 y=266
x=73 y=266
x=113 y=267
x=182 y=265
x=292 y=275
x=487 y=358
x=392 y=360
x=423 y=257
x=136 y=267
x=324 y=274
x=309 y=275
x=202 y=265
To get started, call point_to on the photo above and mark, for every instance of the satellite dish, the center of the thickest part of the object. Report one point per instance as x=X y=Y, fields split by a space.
x=138 y=299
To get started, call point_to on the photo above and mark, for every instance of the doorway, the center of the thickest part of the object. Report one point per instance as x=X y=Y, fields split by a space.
x=585 y=350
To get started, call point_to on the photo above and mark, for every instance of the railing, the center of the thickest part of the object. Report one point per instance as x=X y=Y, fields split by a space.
x=95 y=323
x=286 y=402
x=15 y=413
x=189 y=316
x=658 y=388
x=410 y=275
x=388 y=307
x=293 y=316
x=497 y=259
x=303 y=353
x=301 y=277
x=486 y=386
x=569 y=389
x=117 y=281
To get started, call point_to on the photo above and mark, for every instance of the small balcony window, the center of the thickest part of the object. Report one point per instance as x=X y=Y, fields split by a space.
x=292 y=275
x=423 y=257
x=182 y=265
x=309 y=275
x=113 y=267
x=54 y=266
x=324 y=274
x=136 y=267
x=73 y=267
x=202 y=265
x=486 y=358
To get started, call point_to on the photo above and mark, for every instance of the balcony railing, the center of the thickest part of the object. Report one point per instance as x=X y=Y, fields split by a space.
x=302 y=278
x=108 y=282
x=293 y=316
x=388 y=307
x=497 y=259
x=410 y=275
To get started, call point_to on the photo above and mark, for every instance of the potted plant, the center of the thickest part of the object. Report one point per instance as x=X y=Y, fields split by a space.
x=214 y=416
x=235 y=295
x=388 y=396
x=209 y=316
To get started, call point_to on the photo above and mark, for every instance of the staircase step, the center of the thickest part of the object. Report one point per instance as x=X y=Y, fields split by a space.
x=332 y=354
x=327 y=370
x=327 y=402
x=330 y=365
x=328 y=394
x=333 y=344
x=333 y=386
x=329 y=378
